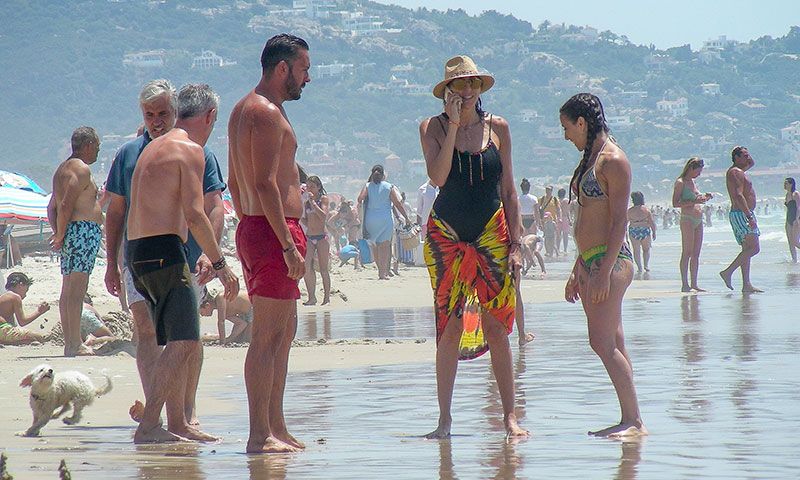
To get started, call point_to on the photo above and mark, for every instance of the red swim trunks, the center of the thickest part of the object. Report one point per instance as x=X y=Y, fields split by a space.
x=261 y=254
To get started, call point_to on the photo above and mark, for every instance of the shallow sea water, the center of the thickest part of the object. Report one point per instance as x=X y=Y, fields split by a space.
x=716 y=375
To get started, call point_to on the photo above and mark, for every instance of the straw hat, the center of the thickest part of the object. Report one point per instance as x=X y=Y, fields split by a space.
x=459 y=67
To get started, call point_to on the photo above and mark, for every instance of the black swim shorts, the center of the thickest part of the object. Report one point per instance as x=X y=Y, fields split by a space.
x=161 y=274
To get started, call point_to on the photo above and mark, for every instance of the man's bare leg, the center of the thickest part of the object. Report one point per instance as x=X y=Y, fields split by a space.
x=73 y=290
x=168 y=380
x=752 y=247
x=277 y=421
x=503 y=369
x=189 y=401
x=147 y=352
x=259 y=372
x=446 y=369
x=188 y=353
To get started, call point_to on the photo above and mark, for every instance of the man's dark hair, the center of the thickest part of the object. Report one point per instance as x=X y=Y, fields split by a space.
x=282 y=47
x=736 y=152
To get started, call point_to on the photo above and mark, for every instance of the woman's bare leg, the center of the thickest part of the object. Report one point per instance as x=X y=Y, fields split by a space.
x=324 y=258
x=503 y=368
x=694 y=261
x=310 y=277
x=687 y=250
x=446 y=368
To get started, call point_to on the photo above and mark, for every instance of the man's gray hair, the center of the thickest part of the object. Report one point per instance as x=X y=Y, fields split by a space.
x=196 y=99
x=158 y=88
x=83 y=136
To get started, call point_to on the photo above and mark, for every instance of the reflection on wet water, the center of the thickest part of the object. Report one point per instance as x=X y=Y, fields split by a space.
x=715 y=374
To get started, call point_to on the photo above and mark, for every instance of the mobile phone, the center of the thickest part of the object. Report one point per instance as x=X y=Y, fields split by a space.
x=448 y=92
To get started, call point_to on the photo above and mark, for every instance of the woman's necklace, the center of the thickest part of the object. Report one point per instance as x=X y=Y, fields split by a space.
x=468 y=137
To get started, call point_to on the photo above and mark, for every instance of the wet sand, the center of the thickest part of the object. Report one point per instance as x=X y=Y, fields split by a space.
x=715 y=373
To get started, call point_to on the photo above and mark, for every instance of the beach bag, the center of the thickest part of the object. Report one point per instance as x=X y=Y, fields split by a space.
x=409 y=236
x=364 y=250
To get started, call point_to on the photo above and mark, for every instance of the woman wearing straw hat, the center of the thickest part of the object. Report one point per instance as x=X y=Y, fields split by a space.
x=472 y=247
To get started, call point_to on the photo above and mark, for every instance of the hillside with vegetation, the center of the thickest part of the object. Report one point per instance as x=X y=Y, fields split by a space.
x=67 y=64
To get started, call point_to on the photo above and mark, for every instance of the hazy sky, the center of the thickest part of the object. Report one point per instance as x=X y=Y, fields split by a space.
x=665 y=23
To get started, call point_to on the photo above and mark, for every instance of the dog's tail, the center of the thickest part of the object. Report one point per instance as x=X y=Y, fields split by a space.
x=107 y=388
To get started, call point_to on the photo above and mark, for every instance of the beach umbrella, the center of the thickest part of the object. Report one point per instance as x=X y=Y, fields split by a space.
x=20 y=182
x=227 y=202
x=22 y=206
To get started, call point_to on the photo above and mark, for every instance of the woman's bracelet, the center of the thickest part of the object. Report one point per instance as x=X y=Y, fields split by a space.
x=219 y=264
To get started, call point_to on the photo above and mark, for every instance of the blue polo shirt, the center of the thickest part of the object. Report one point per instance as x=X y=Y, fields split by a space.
x=121 y=173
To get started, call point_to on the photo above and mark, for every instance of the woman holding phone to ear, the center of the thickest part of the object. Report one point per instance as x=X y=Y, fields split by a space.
x=472 y=248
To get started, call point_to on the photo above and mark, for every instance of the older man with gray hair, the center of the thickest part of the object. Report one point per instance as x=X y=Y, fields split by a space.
x=166 y=203
x=159 y=105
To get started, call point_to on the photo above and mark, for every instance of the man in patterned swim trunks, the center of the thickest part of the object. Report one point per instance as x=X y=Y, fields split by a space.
x=75 y=217
x=742 y=218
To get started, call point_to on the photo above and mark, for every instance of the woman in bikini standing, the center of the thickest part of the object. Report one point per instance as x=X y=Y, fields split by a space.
x=792 y=202
x=603 y=270
x=686 y=196
x=641 y=231
x=472 y=248
x=319 y=246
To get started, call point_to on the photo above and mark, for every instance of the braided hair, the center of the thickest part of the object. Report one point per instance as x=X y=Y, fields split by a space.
x=589 y=107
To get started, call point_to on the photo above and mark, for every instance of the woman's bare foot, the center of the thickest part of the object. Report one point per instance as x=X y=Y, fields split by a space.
x=526 y=339
x=156 y=435
x=513 y=429
x=698 y=289
x=270 y=445
x=686 y=289
x=326 y=300
x=726 y=277
x=311 y=301
x=752 y=289
x=621 y=430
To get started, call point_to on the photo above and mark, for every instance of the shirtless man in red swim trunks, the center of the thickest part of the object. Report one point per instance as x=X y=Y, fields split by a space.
x=265 y=187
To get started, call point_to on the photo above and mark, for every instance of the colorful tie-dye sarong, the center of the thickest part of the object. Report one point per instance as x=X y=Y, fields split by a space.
x=470 y=278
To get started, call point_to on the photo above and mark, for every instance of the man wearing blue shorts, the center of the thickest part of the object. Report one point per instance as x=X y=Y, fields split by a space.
x=742 y=218
x=75 y=217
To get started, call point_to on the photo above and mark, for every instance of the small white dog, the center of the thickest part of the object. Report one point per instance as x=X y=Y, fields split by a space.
x=49 y=393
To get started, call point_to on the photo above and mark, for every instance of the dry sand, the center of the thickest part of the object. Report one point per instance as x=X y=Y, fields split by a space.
x=361 y=290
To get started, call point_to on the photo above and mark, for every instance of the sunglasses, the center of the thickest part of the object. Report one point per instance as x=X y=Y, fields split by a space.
x=460 y=84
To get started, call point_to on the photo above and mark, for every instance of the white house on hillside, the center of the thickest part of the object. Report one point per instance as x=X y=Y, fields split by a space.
x=676 y=108
x=149 y=59
x=207 y=60
x=710 y=89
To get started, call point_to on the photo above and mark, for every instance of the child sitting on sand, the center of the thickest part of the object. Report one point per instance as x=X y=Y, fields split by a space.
x=239 y=312
x=11 y=331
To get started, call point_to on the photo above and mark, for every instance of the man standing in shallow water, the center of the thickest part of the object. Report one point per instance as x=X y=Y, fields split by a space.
x=169 y=172
x=264 y=182
x=742 y=217
x=75 y=216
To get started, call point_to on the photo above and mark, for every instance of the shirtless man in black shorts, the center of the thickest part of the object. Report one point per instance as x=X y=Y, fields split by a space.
x=169 y=174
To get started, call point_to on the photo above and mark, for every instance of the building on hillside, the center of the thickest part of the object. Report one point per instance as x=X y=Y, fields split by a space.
x=360 y=24
x=550 y=132
x=720 y=43
x=333 y=70
x=207 y=60
x=630 y=98
x=528 y=115
x=569 y=83
x=619 y=122
x=586 y=34
x=675 y=108
x=791 y=132
x=711 y=89
x=320 y=9
x=148 y=59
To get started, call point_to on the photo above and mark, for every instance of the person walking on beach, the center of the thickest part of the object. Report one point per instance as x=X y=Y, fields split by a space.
x=686 y=196
x=169 y=171
x=565 y=220
x=792 y=201
x=742 y=217
x=472 y=249
x=550 y=204
x=603 y=270
x=641 y=231
x=319 y=245
x=378 y=196
x=11 y=331
x=264 y=182
x=75 y=216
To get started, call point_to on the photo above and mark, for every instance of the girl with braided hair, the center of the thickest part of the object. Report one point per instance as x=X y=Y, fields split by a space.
x=603 y=270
